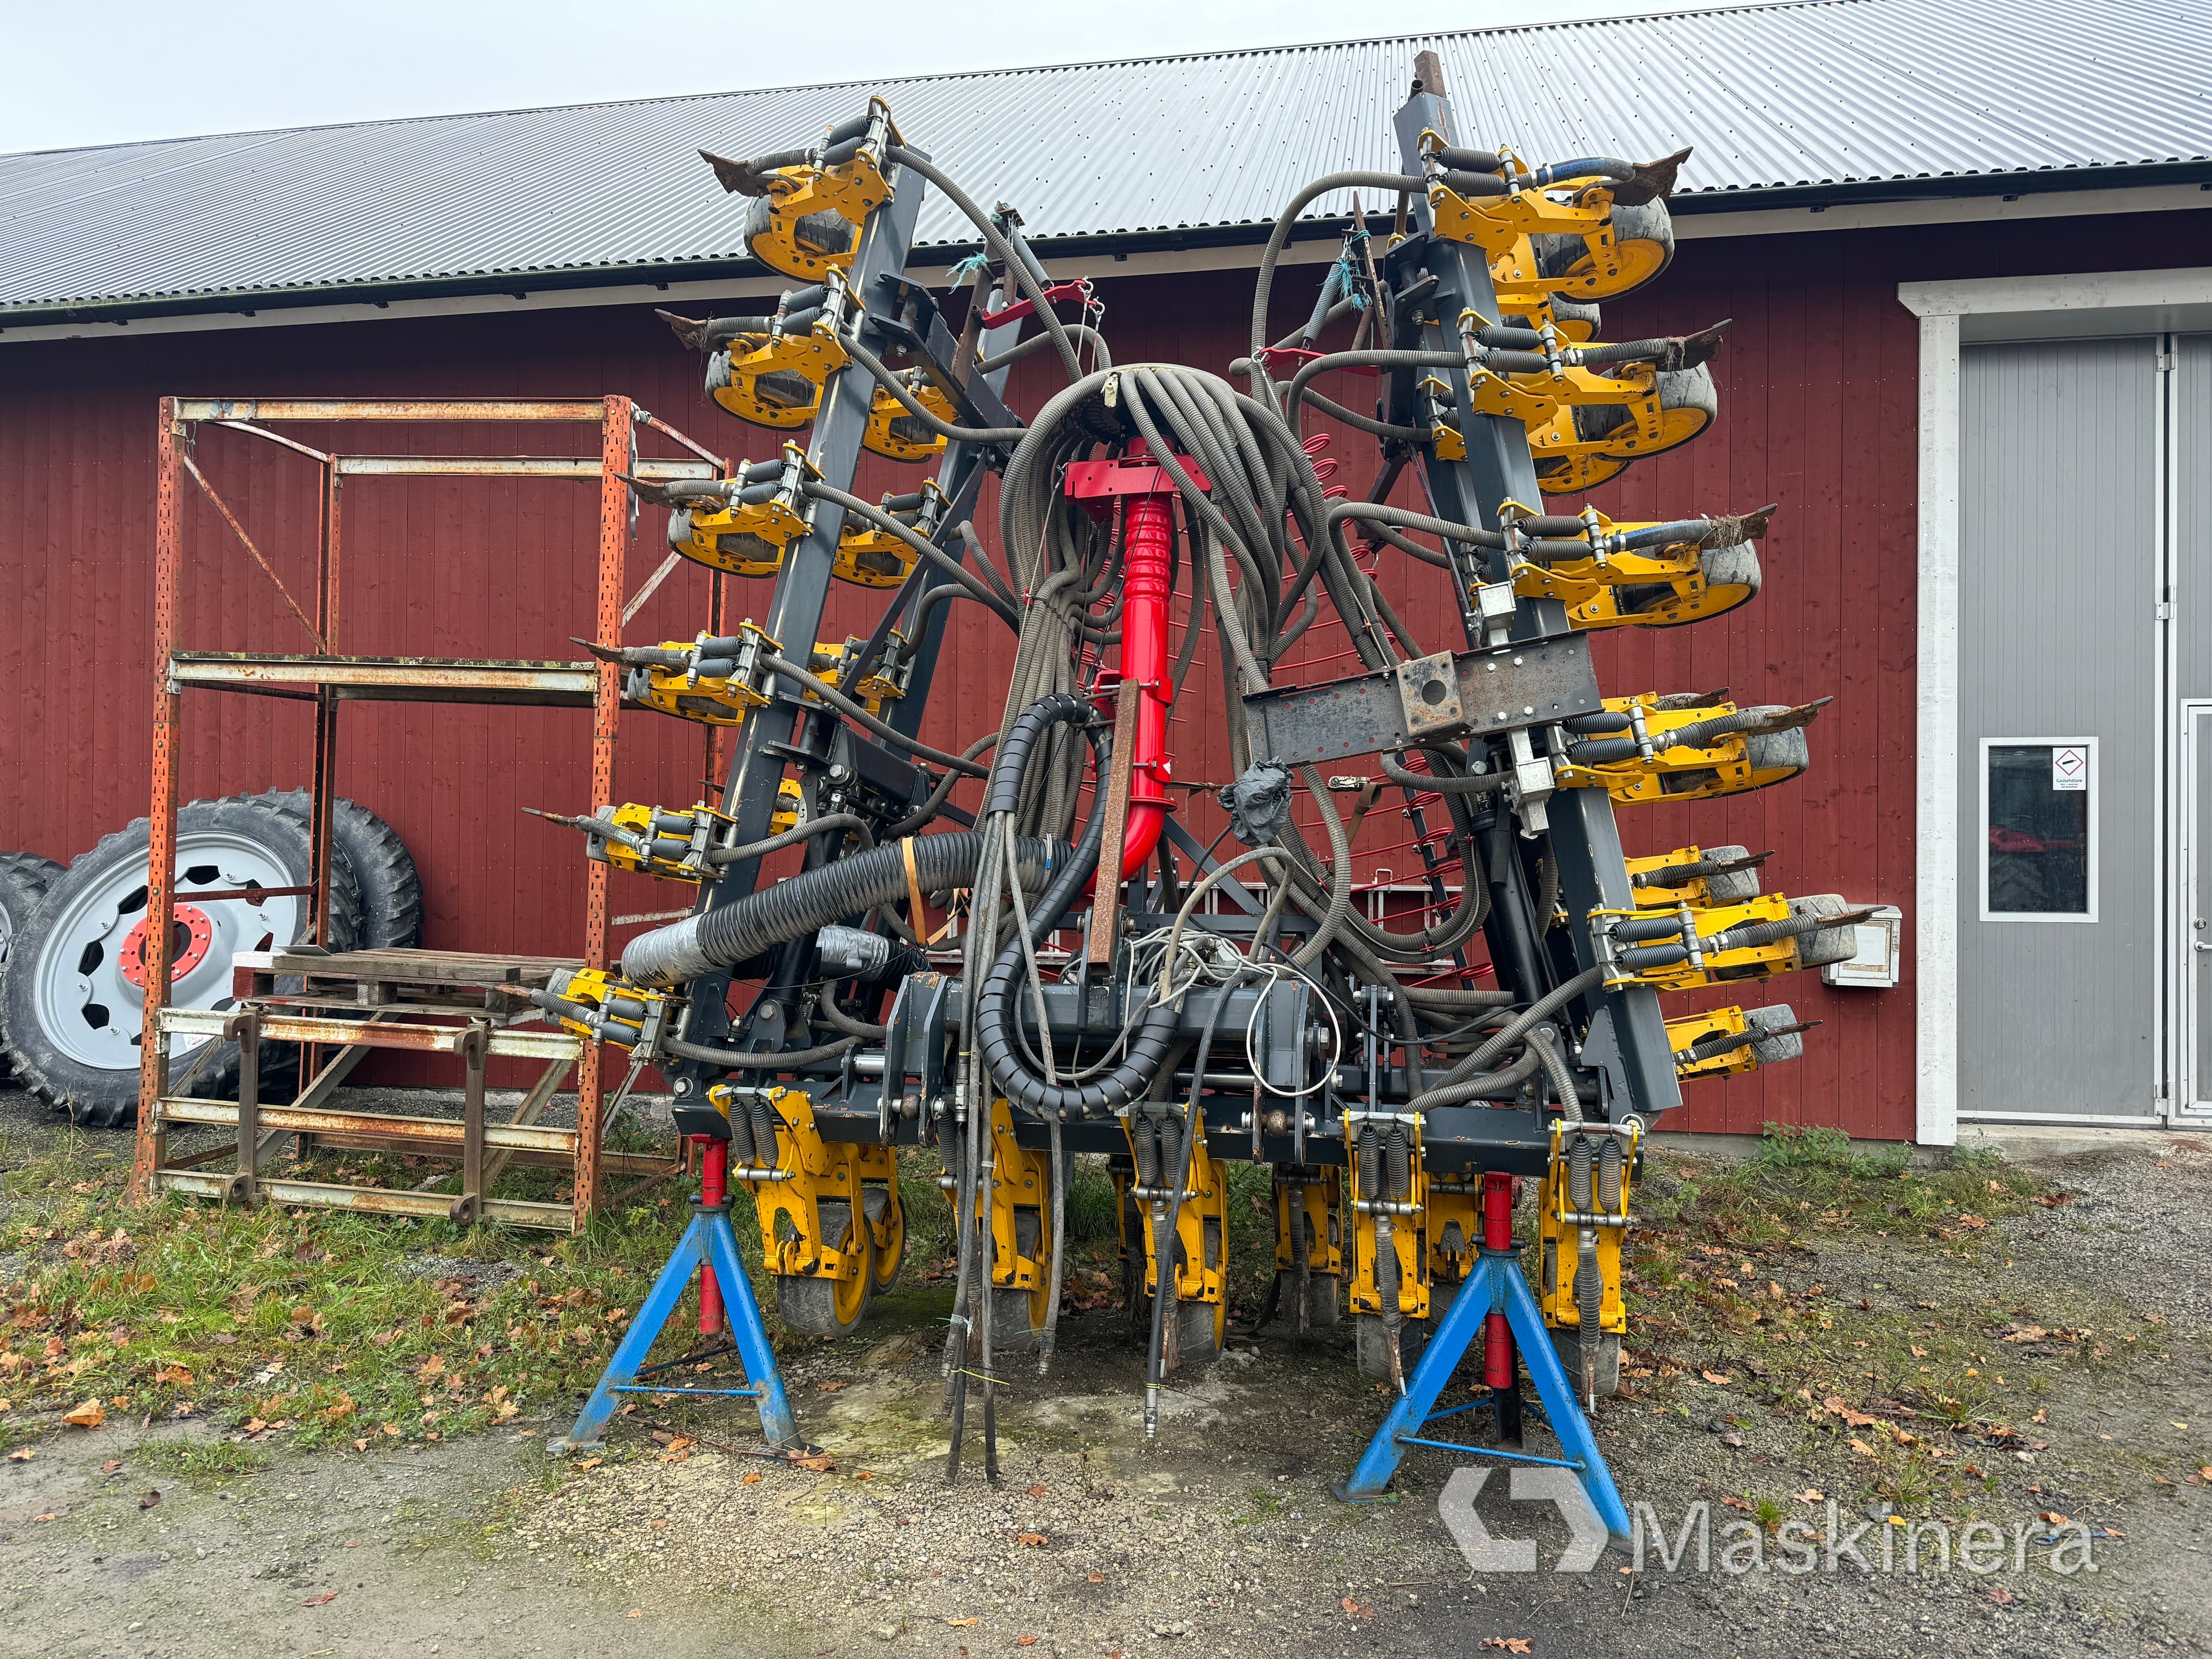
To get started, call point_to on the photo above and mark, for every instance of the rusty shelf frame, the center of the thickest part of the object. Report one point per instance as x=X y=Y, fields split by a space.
x=328 y=680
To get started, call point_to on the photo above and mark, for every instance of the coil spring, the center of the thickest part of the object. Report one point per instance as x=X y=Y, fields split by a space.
x=1609 y=1177
x=1578 y=1177
x=1370 y=1163
x=1398 y=1156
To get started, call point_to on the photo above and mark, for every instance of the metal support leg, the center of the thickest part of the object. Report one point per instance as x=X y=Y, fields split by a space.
x=709 y=1240
x=245 y=1030
x=1496 y=1284
x=468 y=1209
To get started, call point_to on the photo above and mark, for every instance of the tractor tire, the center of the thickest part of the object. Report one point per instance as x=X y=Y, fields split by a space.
x=1730 y=886
x=828 y=1307
x=24 y=878
x=1644 y=237
x=390 y=886
x=1771 y=1050
x=1566 y=1342
x=1019 y=1315
x=1735 y=567
x=71 y=1013
x=1817 y=950
x=1782 y=754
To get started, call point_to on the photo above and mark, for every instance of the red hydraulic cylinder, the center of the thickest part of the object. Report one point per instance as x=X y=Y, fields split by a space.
x=1496 y=1235
x=714 y=1161
x=1145 y=492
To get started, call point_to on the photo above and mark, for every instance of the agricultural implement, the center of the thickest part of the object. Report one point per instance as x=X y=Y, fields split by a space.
x=1065 y=969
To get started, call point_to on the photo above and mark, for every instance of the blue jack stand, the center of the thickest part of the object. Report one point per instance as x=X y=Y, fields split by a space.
x=1496 y=1284
x=709 y=1241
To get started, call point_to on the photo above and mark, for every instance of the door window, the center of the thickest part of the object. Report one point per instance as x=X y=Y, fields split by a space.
x=2039 y=822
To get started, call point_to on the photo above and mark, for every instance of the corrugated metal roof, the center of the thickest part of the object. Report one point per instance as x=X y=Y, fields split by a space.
x=1837 y=94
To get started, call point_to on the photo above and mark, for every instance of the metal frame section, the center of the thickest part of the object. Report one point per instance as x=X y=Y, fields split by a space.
x=1497 y=468
x=896 y=314
x=328 y=680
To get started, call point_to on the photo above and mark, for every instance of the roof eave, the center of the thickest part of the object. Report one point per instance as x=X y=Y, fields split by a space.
x=382 y=293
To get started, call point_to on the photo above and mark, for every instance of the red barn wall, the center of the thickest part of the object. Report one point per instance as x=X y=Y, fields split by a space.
x=1817 y=397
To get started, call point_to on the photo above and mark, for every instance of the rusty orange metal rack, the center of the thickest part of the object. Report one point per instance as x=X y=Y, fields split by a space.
x=329 y=680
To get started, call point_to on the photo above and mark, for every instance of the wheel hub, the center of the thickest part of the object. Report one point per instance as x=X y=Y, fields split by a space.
x=188 y=945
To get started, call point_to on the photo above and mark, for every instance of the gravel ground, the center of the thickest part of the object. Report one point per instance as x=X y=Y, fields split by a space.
x=1220 y=1537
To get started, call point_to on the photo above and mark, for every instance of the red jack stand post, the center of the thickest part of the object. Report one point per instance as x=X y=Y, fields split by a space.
x=1501 y=1370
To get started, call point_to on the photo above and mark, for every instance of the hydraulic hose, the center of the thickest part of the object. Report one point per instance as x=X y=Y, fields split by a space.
x=1588 y=979
x=852 y=711
x=1483 y=1086
x=887 y=379
x=1397 y=183
x=1001 y=250
x=1482 y=783
x=757 y=1061
x=855 y=506
x=1544 y=1039
x=722 y=938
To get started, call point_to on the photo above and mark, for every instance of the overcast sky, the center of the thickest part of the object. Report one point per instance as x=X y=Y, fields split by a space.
x=126 y=69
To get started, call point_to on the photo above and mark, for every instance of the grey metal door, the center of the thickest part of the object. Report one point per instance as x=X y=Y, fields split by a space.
x=2061 y=963
x=2189 y=505
x=2193 y=858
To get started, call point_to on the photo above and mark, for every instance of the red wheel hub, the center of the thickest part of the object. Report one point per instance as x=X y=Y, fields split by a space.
x=196 y=932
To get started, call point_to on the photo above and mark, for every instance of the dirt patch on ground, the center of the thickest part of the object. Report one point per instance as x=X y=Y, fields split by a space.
x=2051 y=1362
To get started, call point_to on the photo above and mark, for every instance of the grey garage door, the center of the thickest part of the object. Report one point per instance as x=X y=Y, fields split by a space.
x=2064 y=706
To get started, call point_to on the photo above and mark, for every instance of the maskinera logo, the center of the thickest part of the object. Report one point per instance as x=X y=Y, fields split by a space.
x=1794 y=1546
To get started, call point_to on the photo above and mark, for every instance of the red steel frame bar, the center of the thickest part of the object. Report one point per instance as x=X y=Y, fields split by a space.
x=617 y=418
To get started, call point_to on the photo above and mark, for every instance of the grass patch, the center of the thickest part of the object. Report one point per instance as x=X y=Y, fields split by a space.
x=331 y=1327
x=200 y=1462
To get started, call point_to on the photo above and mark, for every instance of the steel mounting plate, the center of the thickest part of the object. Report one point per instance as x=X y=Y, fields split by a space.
x=1486 y=692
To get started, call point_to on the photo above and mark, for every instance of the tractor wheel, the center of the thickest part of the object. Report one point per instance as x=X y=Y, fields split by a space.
x=1771 y=1050
x=887 y=1230
x=1817 y=950
x=24 y=878
x=1730 y=886
x=72 y=1000
x=1734 y=569
x=391 y=886
x=1566 y=1342
x=829 y=1307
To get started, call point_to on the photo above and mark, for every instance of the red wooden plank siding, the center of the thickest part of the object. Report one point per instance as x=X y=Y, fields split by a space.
x=1818 y=389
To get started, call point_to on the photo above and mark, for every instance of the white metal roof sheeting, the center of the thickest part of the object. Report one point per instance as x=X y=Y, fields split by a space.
x=1836 y=94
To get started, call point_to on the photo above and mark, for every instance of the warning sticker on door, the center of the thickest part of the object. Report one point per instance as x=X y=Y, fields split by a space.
x=2069 y=767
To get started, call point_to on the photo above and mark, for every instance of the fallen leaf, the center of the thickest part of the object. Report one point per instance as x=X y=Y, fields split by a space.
x=89 y=1415
x=1920 y=1353
x=634 y=1613
x=751 y=1479
x=590 y=1463
x=1732 y=1439
x=361 y=1445
x=1026 y=1641
x=324 y=1600
x=961 y=1624
x=820 y=1463
x=832 y=1387
x=21 y=1455
x=152 y=1497
x=1738 y=1504
x=1036 y=1492
x=111 y=1466
x=1098 y=1578
x=433 y=1366
x=1718 y=1379
x=2001 y=1596
x=1861 y=1448
x=48 y=1516
x=1810 y=1495
x=1507 y=1643
x=2053 y=1517
x=1834 y=1404
x=1356 y=1610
